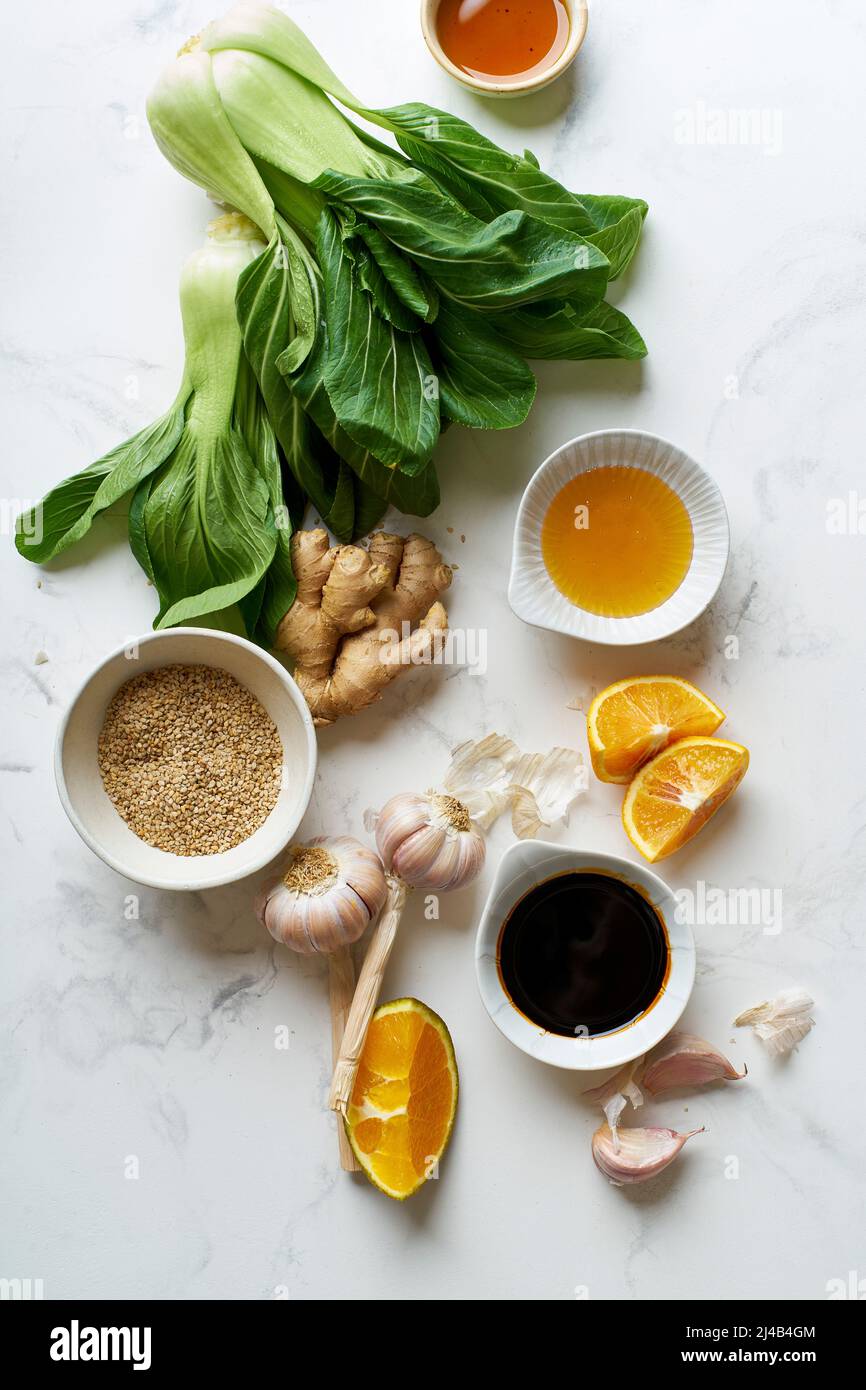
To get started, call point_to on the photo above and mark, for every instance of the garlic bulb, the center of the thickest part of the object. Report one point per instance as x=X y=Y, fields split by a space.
x=429 y=841
x=634 y=1155
x=684 y=1060
x=326 y=896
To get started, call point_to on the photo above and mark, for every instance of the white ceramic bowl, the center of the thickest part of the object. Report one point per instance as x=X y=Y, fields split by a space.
x=532 y=593
x=578 y=17
x=84 y=797
x=530 y=862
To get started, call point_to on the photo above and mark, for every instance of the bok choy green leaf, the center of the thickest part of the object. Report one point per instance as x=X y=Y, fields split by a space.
x=278 y=309
x=379 y=380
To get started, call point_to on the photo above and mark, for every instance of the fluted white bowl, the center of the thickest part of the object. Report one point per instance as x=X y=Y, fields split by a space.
x=523 y=866
x=532 y=593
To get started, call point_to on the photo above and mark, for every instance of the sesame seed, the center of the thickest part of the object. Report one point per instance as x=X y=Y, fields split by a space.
x=190 y=758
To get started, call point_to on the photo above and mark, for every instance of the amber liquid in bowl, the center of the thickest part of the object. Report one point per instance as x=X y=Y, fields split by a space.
x=492 y=39
x=617 y=541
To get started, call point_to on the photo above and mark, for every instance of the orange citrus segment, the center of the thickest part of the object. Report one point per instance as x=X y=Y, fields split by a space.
x=673 y=796
x=634 y=719
x=388 y=1045
x=402 y=1108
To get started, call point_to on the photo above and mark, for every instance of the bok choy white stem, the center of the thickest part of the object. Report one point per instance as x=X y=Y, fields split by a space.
x=193 y=132
x=208 y=520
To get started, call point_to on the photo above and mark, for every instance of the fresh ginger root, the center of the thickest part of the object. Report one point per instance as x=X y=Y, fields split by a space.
x=345 y=631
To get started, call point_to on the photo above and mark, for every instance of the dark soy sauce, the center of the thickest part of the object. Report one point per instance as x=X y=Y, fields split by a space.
x=583 y=953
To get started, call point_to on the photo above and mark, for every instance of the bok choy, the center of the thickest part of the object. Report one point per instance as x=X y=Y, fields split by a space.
x=402 y=288
x=210 y=513
x=358 y=297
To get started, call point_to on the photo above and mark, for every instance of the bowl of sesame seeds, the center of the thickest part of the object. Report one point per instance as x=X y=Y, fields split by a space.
x=186 y=759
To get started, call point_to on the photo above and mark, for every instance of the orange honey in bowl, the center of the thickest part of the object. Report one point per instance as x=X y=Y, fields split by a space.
x=491 y=39
x=617 y=541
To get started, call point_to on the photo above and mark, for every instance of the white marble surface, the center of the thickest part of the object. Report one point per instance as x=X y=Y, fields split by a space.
x=153 y=1038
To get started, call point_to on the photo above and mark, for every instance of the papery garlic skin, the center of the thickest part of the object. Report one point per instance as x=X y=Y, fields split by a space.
x=781 y=1022
x=636 y=1155
x=492 y=775
x=429 y=841
x=685 y=1060
x=329 y=891
x=615 y=1094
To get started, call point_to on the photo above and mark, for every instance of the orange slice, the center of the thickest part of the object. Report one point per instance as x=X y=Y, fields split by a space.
x=402 y=1108
x=634 y=719
x=673 y=796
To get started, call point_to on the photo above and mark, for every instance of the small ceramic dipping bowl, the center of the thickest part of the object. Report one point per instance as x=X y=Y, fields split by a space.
x=525 y=865
x=522 y=84
x=86 y=801
x=532 y=593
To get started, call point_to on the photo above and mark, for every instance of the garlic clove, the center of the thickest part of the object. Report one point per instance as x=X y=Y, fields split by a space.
x=415 y=856
x=281 y=915
x=473 y=852
x=399 y=818
x=362 y=870
x=459 y=860
x=443 y=863
x=336 y=920
x=685 y=1060
x=781 y=1022
x=636 y=1155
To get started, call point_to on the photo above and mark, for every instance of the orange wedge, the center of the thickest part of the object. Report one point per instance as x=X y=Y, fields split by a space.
x=632 y=720
x=402 y=1108
x=673 y=796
